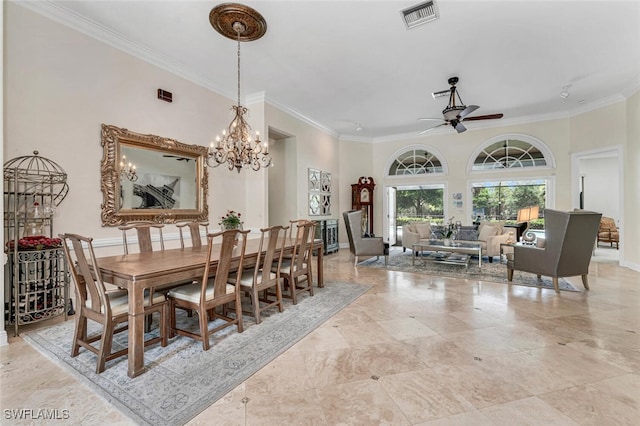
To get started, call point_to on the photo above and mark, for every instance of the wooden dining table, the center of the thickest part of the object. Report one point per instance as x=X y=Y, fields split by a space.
x=163 y=269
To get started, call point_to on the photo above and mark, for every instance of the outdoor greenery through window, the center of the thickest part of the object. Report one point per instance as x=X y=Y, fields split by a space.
x=501 y=200
x=415 y=162
x=418 y=204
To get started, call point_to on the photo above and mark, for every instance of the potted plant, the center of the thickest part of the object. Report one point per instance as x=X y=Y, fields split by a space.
x=231 y=220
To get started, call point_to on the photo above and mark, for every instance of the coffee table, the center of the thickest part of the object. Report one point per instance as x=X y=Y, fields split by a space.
x=456 y=254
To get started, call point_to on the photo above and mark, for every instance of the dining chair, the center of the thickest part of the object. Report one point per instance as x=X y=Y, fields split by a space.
x=194 y=232
x=297 y=269
x=143 y=233
x=260 y=277
x=108 y=308
x=213 y=289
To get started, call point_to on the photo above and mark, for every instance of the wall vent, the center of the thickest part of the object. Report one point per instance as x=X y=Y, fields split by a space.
x=419 y=14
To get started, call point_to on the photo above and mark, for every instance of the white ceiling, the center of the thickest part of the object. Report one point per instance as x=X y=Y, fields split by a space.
x=338 y=63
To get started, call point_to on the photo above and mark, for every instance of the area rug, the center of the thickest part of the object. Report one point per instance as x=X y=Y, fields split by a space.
x=493 y=272
x=181 y=379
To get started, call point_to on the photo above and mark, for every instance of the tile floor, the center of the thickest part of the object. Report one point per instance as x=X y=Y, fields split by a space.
x=417 y=350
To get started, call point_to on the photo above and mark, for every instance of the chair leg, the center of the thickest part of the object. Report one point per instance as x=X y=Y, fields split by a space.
x=255 y=301
x=172 y=319
x=386 y=259
x=355 y=263
x=105 y=346
x=164 y=324
x=204 y=328
x=279 y=296
x=239 y=314
x=80 y=334
x=585 y=281
x=555 y=284
x=509 y=274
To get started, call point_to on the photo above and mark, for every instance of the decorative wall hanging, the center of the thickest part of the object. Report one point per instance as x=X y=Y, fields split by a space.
x=319 y=193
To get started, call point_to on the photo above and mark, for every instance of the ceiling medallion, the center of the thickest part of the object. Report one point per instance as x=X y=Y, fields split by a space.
x=224 y=16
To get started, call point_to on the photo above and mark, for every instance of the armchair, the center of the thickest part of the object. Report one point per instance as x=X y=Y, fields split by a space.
x=608 y=232
x=569 y=238
x=359 y=245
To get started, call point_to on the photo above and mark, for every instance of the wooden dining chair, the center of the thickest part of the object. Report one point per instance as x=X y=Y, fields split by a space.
x=110 y=309
x=143 y=232
x=296 y=270
x=194 y=232
x=213 y=289
x=259 y=278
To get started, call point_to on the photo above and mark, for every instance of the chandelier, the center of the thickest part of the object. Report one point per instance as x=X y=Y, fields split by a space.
x=237 y=148
x=128 y=170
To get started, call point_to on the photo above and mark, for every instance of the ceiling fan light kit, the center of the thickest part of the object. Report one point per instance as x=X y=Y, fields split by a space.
x=454 y=114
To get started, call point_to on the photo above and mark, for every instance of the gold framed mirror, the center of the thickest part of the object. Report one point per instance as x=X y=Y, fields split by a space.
x=170 y=182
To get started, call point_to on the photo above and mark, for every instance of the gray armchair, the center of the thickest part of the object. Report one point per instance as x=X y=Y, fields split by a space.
x=568 y=244
x=359 y=245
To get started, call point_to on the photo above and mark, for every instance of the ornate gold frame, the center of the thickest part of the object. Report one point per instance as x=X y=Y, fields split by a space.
x=112 y=140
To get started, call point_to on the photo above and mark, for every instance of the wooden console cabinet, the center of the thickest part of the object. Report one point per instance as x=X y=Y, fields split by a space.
x=327 y=231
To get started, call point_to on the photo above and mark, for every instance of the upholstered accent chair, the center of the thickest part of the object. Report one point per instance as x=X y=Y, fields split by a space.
x=608 y=232
x=568 y=245
x=359 y=245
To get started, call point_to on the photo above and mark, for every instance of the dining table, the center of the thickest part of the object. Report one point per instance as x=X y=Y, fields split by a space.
x=157 y=270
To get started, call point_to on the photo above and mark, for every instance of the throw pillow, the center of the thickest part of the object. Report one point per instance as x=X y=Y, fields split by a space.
x=487 y=231
x=423 y=229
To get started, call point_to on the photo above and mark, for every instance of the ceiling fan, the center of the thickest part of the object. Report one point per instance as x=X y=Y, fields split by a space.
x=454 y=114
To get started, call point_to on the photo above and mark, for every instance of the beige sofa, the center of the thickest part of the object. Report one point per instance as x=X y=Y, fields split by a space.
x=489 y=234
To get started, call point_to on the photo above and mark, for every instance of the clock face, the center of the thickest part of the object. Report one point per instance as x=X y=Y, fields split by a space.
x=364 y=195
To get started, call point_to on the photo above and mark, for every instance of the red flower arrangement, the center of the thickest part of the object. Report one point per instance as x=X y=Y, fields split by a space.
x=38 y=242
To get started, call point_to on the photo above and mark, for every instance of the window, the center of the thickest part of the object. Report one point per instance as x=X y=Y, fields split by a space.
x=501 y=200
x=415 y=162
x=508 y=154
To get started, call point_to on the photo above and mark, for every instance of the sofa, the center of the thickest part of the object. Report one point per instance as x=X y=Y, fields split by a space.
x=489 y=234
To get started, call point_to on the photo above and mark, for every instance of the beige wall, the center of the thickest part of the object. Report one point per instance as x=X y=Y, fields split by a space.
x=631 y=190
x=313 y=149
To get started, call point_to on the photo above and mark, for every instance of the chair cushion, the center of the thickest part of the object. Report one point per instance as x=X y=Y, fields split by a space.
x=486 y=232
x=423 y=229
x=191 y=292
x=247 y=277
x=120 y=302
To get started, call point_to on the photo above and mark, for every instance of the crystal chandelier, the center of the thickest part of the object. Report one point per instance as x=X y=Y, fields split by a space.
x=236 y=147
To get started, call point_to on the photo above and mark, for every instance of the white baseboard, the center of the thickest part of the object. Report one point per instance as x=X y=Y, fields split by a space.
x=3 y=338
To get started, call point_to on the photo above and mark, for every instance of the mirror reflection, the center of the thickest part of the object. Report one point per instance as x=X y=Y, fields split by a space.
x=152 y=179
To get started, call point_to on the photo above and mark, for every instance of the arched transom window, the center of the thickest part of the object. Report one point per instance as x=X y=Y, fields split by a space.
x=508 y=154
x=415 y=162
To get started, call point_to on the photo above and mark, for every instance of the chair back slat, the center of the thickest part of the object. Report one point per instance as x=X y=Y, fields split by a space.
x=272 y=253
x=226 y=250
x=143 y=233
x=304 y=244
x=194 y=232
x=85 y=273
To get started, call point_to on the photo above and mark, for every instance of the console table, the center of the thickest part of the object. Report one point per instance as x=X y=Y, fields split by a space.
x=327 y=231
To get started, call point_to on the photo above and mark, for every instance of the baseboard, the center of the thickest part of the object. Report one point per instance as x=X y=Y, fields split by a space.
x=4 y=341
x=631 y=265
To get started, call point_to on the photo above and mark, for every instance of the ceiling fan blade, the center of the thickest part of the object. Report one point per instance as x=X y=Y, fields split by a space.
x=484 y=117
x=430 y=119
x=468 y=110
x=459 y=127
x=431 y=128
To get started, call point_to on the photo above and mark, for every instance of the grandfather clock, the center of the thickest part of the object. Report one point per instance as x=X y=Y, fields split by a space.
x=362 y=199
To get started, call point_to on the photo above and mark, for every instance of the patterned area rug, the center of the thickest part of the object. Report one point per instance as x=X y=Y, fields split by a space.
x=494 y=272
x=181 y=379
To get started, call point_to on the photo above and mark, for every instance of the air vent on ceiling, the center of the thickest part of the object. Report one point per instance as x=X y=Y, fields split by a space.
x=419 y=14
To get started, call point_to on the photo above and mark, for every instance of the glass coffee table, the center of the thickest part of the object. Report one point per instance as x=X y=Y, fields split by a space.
x=455 y=254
